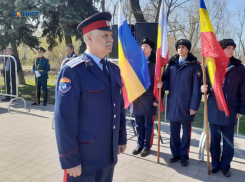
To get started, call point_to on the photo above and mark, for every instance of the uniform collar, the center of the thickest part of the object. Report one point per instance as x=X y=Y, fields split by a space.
x=95 y=58
x=91 y=59
x=182 y=61
x=40 y=57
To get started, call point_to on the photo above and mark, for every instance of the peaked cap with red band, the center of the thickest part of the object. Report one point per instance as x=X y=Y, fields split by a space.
x=99 y=21
x=40 y=49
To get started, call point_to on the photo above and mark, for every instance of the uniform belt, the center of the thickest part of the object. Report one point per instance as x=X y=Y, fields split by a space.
x=40 y=70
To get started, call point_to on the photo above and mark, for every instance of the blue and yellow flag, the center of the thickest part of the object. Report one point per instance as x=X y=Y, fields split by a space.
x=132 y=63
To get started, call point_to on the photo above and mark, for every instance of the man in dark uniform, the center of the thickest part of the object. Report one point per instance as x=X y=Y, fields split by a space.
x=145 y=106
x=234 y=92
x=89 y=112
x=10 y=76
x=41 y=68
x=183 y=80
x=70 y=51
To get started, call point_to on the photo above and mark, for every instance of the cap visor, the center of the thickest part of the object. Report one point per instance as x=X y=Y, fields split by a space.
x=105 y=28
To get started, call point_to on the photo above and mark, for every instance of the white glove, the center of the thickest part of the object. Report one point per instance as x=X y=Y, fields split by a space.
x=37 y=74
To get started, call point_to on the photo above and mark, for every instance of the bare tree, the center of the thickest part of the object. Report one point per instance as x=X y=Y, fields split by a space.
x=241 y=45
x=185 y=23
x=135 y=5
x=182 y=16
x=172 y=5
x=103 y=5
x=112 y=6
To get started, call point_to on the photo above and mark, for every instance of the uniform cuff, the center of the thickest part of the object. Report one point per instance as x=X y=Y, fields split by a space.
x=123 y=138
x=241 y=110
x=70 y=160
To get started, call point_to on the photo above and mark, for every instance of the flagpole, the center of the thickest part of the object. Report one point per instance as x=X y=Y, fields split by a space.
x=159 y=115
x=206 y=113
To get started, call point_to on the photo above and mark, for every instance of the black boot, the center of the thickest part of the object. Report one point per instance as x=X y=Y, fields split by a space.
x=144 y=153
x=38 y=98
x=45 y=97
x=226 y=172
x=137 y=151
x=184 y=162
x=174 y=159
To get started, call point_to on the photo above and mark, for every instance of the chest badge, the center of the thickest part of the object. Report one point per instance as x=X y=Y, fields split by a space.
x=64 y=85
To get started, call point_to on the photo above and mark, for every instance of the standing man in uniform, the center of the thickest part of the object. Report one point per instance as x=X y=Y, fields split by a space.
x=41 y=68
x=70 y=51
x=234 y=92
x=183 y=80
x=145 y=106
x=89 y=112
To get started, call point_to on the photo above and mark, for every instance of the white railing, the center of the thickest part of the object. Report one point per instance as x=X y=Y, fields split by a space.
x=9 y=74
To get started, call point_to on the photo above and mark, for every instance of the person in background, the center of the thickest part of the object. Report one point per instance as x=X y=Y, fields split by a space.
x=145 y=106
x=70 y=51
x=220 y=124
x=9 y=73
x=41 y=68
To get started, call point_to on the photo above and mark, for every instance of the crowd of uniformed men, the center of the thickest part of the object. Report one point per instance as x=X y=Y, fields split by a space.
x=89 y=109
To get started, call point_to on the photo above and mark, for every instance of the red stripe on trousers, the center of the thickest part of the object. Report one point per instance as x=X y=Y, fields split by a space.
x=152 y=132
x=209 y=143
x=65 y=176
x=190 y=141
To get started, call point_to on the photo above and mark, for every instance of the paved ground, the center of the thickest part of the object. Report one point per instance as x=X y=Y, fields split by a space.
x=28 y=153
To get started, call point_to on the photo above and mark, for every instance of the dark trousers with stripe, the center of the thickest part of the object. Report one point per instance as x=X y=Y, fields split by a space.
x=180 y=148
x=225 y=159
x=103 y=175
x=145 y=129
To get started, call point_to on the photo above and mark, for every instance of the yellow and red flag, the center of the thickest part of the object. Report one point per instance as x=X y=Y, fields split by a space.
x=162 y=49
x=216 y=58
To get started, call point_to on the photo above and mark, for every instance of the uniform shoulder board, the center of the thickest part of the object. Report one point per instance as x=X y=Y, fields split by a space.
x=113 y=63
x=74 y=62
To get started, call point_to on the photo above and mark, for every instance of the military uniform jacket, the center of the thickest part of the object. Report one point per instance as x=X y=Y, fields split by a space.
x=42 y=65
x=183 y=83
x=89 y=114
x=234 y=93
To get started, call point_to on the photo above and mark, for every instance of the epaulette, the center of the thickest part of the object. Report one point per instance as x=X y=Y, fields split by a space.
x=112 y=63
x=74 y=62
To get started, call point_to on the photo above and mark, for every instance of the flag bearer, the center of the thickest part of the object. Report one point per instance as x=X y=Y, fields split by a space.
x=183 y=80
x=234 y=93
x=145 y=106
